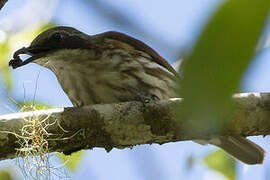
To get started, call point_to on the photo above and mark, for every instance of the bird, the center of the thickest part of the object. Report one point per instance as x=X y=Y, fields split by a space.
x=113 y=67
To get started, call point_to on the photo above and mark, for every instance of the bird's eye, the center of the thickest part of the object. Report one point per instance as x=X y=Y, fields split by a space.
x=57 y=36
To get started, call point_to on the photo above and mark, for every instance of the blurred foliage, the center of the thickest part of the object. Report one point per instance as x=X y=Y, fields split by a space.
x=212 y=73
x=111 y=13
x=5 y=50
x=72 y=160
x=222 y=163
x=30 y=106
x=5 y=175
x=190 y=162
x=11 y=43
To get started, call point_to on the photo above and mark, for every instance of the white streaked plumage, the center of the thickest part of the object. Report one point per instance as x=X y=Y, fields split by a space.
x=103 y=84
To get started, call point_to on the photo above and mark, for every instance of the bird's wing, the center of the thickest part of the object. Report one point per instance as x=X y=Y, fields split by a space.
x=139 y=45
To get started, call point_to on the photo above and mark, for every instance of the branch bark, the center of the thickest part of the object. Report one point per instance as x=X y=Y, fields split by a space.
x=2 y=3
x=128 y=124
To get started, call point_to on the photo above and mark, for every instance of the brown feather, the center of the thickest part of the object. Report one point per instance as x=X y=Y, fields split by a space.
x=139 y=45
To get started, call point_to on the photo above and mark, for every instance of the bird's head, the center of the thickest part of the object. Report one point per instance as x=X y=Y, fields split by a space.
x=65 y=41
x=49 y=41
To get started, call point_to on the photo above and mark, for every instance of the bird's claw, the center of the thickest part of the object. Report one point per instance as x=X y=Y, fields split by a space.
x=146 y=99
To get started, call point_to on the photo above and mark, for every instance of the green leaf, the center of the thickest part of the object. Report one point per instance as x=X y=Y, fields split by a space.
x=222 y=163
x=212 y=73
x=72 y=160
x=5 y=175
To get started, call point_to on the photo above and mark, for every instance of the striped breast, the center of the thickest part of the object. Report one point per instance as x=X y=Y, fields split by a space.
x=113 y=76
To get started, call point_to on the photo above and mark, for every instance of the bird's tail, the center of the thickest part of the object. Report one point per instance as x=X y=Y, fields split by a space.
x=242 y=149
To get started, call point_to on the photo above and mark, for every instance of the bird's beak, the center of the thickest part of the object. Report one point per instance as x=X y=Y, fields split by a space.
x=34 y=52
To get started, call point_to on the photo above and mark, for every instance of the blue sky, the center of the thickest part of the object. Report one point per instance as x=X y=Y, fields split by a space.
x=169 y=27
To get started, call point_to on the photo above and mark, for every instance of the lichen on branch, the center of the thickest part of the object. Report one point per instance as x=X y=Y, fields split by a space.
x=128 y=124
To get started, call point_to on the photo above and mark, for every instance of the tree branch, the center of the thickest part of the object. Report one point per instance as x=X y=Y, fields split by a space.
x=2 y=3
x=127 y=124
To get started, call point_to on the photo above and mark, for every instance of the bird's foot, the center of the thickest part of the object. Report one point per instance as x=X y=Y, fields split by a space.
x=146 y=99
